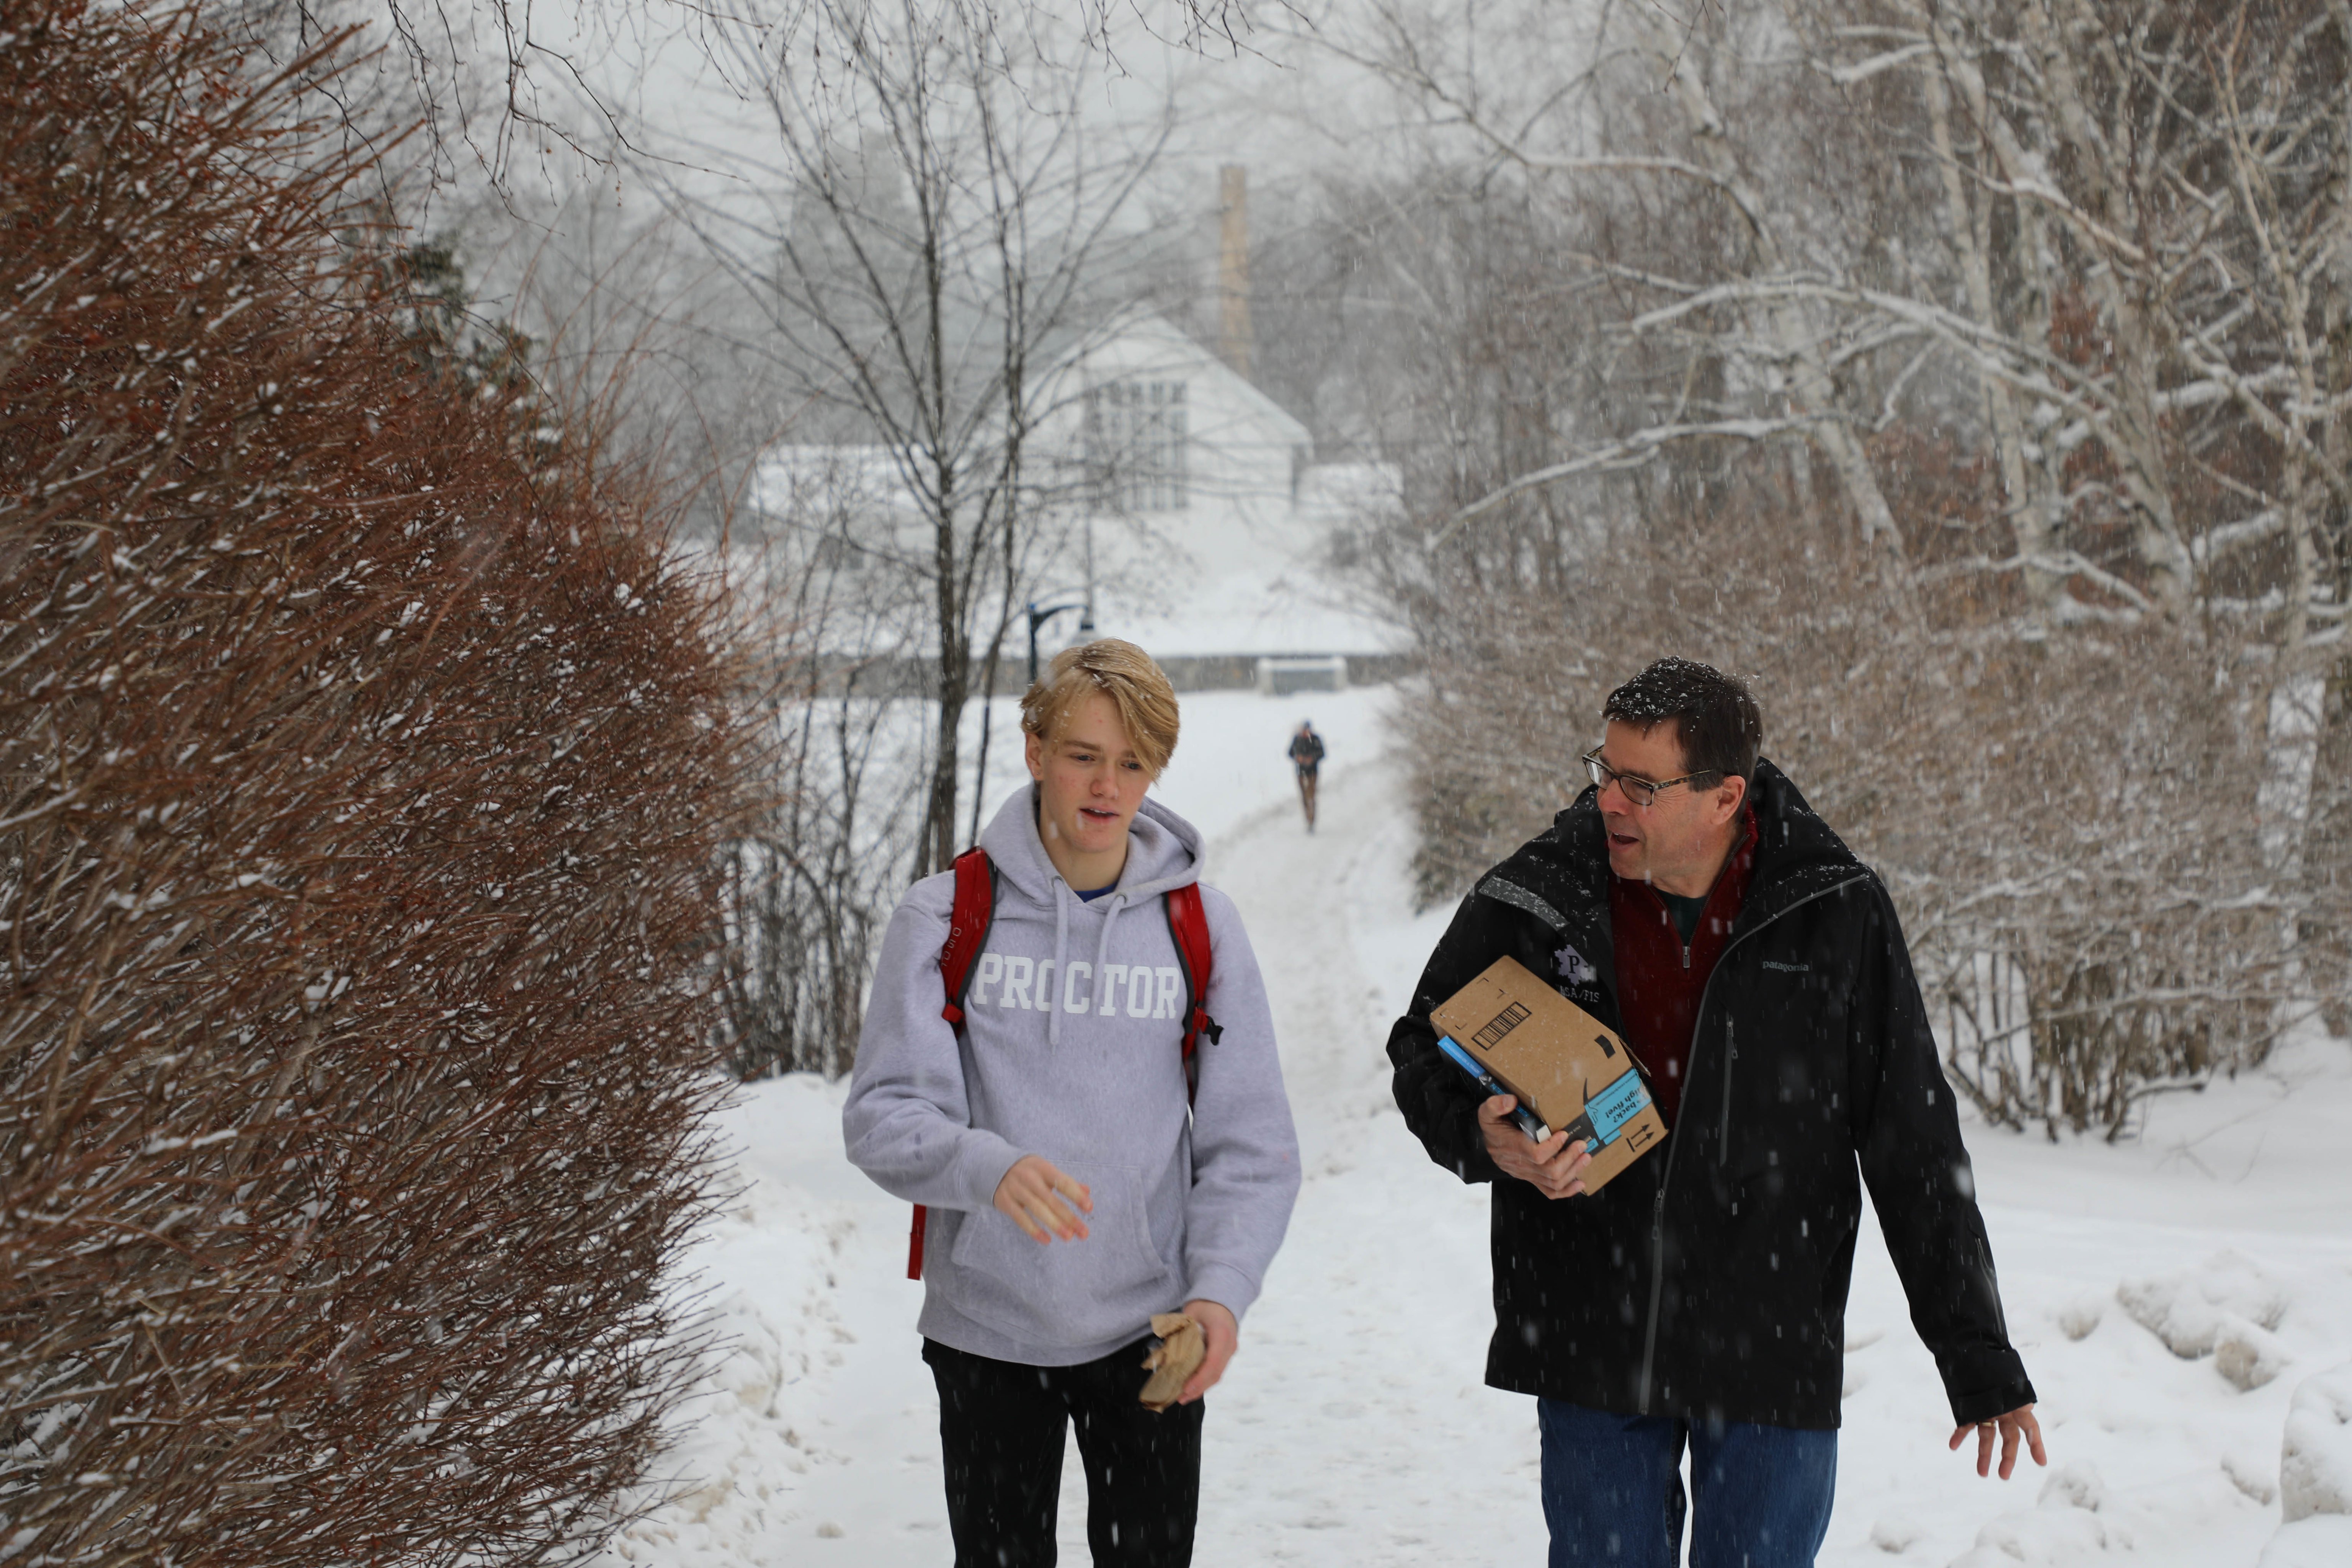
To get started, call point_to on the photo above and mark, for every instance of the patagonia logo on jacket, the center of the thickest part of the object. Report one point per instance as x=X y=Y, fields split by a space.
x=1137 y=991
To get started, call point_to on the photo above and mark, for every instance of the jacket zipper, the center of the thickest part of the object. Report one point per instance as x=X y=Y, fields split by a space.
x=1730 y=1060
x=1658 y=1208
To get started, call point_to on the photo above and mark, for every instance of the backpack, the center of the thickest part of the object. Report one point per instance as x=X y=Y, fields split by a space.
x=968 y=923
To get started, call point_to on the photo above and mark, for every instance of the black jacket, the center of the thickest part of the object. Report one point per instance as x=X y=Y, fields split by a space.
x=1709 y=1279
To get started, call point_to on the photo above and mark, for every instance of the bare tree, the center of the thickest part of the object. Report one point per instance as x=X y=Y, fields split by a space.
x=811 y=883
x=2102 y=266
x=944 y=202
x=2053 y=293
x=849 y=373
x=501 y=93
x=1795 y=354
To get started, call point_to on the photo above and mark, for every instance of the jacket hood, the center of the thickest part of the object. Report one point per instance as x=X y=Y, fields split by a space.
x=1164 y=850
x=1163 y=853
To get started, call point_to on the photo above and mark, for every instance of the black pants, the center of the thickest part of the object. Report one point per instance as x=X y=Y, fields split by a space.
x=1001 y=1424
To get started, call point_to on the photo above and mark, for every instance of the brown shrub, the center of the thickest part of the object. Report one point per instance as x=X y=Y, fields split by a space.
x=358 y=790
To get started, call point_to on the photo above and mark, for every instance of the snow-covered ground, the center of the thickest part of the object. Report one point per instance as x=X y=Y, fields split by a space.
x=1352 y=1429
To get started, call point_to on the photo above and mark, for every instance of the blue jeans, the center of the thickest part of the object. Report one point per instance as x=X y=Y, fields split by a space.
x=1613 y=1490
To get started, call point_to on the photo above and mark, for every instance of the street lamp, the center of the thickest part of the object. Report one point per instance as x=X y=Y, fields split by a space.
x=1039 y=616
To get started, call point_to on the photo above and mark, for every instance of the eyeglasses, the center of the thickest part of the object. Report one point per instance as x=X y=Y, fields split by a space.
x=1643 y=792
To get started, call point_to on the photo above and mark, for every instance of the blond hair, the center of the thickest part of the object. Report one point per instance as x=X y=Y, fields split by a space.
x=1121 y=671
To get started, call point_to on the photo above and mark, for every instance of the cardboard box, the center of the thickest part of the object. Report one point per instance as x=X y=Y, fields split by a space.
x=1551 y=1054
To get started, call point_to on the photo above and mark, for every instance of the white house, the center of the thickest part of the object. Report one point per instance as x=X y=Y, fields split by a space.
x=1184 y=503
x=1206 y=518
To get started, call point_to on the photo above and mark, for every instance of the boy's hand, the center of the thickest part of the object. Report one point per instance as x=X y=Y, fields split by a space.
x=1043 y=1201
x=1555 y=1166
x=1223 y=1335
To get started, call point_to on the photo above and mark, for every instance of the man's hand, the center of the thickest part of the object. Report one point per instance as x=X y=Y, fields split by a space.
x=2018 y=1423
x=1043 y=1201
x=1556 y=1166
x=1222 y=1336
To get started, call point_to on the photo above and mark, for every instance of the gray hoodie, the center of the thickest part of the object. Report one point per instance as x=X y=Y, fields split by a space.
x=1072 y=1049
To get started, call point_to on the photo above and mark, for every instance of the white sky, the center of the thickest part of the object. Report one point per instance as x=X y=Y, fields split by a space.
x=1289 y=106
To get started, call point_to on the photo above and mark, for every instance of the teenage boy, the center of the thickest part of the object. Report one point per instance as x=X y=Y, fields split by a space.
x=1692 y=902
x=1072 y=1192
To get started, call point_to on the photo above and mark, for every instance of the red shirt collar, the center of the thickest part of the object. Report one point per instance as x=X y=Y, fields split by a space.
x=1730 y=883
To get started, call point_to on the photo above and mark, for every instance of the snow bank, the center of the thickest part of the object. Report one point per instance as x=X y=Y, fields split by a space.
x=2316 y=1460
x=2323 y=1540
x=2195 y=1310
x=2063 y=1526
x=2247 y=1354
x=740 y=1462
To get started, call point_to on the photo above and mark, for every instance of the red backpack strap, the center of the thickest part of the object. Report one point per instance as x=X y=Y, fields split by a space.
x=968 y=922
x=915 y=1243
x=1188 y=925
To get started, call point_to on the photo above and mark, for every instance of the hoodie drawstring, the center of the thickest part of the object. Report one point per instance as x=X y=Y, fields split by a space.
x=1062 y=956
x=1102 y=947
x=1061 y=964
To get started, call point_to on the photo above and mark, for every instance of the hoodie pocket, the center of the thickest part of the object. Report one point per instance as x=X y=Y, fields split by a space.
x=1066 y=1292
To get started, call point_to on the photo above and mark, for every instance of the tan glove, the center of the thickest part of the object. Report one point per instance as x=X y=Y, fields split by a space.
x=1174 y=1360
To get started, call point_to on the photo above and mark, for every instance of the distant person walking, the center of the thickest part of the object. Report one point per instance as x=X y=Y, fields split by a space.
x=1306 y=756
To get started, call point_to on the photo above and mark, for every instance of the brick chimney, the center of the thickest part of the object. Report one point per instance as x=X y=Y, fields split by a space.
x=1234 y=336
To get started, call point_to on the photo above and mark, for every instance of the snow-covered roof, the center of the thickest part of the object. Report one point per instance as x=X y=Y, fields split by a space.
x=1142 y=342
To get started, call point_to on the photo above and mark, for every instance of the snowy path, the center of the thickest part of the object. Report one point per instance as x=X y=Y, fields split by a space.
x=1352 y=1429
x=1348 y=1431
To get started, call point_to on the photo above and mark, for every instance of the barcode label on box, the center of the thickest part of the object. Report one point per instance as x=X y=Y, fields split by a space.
x=1509 y=1019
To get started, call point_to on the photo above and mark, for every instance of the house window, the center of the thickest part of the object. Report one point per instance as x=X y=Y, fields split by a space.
x=1136 y=444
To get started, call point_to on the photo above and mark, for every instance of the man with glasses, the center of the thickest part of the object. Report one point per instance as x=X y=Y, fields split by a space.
x=1691 y=900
